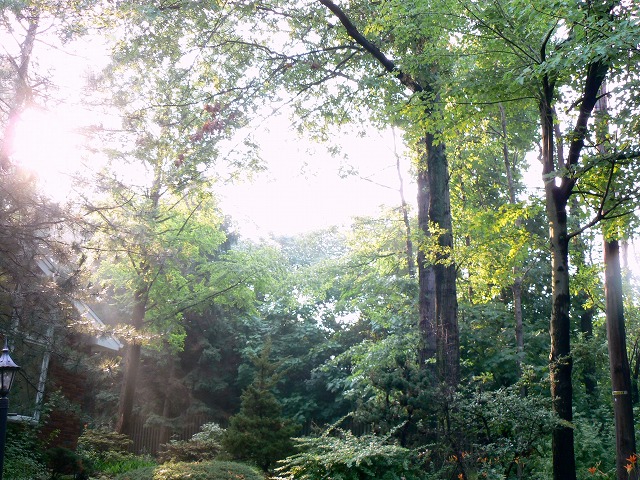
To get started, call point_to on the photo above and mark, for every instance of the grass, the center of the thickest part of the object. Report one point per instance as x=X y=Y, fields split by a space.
x=115 y=467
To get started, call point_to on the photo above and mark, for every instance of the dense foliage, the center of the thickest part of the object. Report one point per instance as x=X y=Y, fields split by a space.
x=24 y=455
x=258 y=433
x=340 y=455
x=204 y=445
x=103 y=452
x=424 y=333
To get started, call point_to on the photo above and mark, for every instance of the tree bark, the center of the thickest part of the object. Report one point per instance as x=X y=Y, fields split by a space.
x=426 y=278
x=560 y=361
x=616 y=334
x=439 y=215
x=635 y=371
x=619 y=362
x=516 y=286
x=444 y=269
x=124 y=424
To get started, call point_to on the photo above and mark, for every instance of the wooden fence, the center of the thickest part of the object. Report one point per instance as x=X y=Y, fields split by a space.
x=148 y=438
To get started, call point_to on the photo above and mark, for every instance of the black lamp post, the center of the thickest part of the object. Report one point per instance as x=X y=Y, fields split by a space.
x=8 y=370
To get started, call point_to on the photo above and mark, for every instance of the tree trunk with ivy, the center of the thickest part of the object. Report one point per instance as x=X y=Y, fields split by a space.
x=434 y=182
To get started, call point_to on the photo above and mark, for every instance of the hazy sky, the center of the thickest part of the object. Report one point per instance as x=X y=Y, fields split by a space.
x=305 y=188
x=302 y=190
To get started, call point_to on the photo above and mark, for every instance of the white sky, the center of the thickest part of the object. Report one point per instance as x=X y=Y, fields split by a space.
x=303 y=189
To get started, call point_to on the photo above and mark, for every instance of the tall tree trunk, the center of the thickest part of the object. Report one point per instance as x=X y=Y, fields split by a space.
x=560 y=361
x=516 y=290
x=516 y=286
x=616 y=335
x=619 y=362
x=439 y=211
x=140 y=300
x=426 y=278
x=444 y=269
x=586 y=313
x=467 y=243
x=624 y=261
x=165 y=429
x=589 y=372
x=411 y=263
x=635 y=371
x=557 y=193
x=124 y=424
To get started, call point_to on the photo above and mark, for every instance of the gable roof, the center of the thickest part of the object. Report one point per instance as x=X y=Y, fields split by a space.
x=102 y=341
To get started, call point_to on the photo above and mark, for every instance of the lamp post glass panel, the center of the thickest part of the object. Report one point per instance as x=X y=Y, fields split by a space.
x=8 y=370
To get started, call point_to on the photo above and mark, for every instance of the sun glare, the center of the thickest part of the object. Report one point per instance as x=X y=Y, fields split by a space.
x=45 y=143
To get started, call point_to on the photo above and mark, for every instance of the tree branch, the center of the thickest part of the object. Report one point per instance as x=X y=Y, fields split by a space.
x=404 y=78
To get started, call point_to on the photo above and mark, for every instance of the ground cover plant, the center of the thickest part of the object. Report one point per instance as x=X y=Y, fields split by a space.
x=340 y=455
x=23 y=456
x=211 y=470
x=204 y=445
x=106 y=452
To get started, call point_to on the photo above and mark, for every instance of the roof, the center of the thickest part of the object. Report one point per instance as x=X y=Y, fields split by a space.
x=103 y=341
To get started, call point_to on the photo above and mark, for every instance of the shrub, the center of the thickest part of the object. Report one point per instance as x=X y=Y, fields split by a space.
x=500 y=432
x=204 y=445
x=338 y=454
x=108 y=452
x=22 y=460
x=101 y=441
x=213 y=470
x=209 y=432
x=62 y=461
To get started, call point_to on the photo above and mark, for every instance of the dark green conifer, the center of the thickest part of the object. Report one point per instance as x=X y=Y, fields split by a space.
x=259 y=433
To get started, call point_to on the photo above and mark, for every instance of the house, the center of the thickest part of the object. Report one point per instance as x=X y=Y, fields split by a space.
x=48 y=377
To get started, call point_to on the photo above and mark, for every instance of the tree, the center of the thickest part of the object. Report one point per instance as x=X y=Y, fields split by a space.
x=39 y=269
x=259 y=433
x=151 y=282
x=154 y=239
x=340 y=454
x=495 y=248
x=586 y=44
x=22 y=88
x=616 y=334
x=437 y=278
x=28 y=219
x=619 y=363
x=160 y=174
